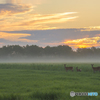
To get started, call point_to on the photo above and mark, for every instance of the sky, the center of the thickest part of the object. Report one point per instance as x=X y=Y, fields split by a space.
x=75 y=23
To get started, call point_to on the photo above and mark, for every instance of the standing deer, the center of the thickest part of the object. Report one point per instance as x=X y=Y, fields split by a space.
x=68 y=68
x=95 y=68
x=78 y=70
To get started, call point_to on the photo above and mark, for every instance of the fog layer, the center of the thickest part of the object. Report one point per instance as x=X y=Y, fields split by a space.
x=57 y=54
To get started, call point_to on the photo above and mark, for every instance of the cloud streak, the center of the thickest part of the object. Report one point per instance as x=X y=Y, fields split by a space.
x=35 y=21
x=83 y=43
x=53 y=18
x=91 y=28
x=16 y=37
x=13 y=9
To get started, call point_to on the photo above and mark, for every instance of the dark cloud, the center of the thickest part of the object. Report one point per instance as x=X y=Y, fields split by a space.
x=57 y=34
x=56 y=37
x=8 y=42
x=15 y=9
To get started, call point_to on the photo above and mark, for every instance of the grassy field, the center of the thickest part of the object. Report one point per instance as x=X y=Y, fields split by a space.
x=47 y=81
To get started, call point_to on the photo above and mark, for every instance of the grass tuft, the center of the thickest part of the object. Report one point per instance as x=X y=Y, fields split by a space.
x=45 y=96
x=10 y=97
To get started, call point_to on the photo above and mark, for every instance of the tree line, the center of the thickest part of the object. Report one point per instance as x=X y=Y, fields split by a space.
x=56 y=51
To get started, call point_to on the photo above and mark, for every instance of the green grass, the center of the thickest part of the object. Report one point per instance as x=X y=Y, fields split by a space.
x=47 y=81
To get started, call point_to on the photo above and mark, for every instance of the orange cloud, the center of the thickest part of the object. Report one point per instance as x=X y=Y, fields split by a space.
x=16 y=37
x=35 y=21
x=83 y=43
x=46 y=21
x=8 y=26
x=91 y=28
x=53 y=18
x=49 y=16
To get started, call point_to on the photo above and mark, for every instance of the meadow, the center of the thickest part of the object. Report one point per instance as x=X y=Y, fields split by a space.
x=47 y=81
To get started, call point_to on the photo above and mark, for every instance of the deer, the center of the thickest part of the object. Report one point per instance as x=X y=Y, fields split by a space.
x=99 y=68
x=78 y=70
x=95 y=68
x=68 y=68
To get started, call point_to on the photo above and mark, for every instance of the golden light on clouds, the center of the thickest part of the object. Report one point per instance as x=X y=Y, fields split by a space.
x=57 y=15
x=48 y=19
x=15 y=37
x=4 y=13
x=91 y=28
x=83 y=43
x=69 y=19
x=34 y=21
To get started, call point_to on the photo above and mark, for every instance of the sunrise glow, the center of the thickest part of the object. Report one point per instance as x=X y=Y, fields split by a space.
x=65 y=22
x=82 y=43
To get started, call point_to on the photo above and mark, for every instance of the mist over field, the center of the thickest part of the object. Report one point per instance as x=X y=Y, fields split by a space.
x=49 y=60
x=57 y=54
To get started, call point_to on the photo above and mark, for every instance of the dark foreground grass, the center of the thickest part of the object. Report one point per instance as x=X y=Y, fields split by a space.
x=47 y=81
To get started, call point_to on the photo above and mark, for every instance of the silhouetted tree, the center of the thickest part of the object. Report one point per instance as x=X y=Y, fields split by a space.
x=55 y=51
